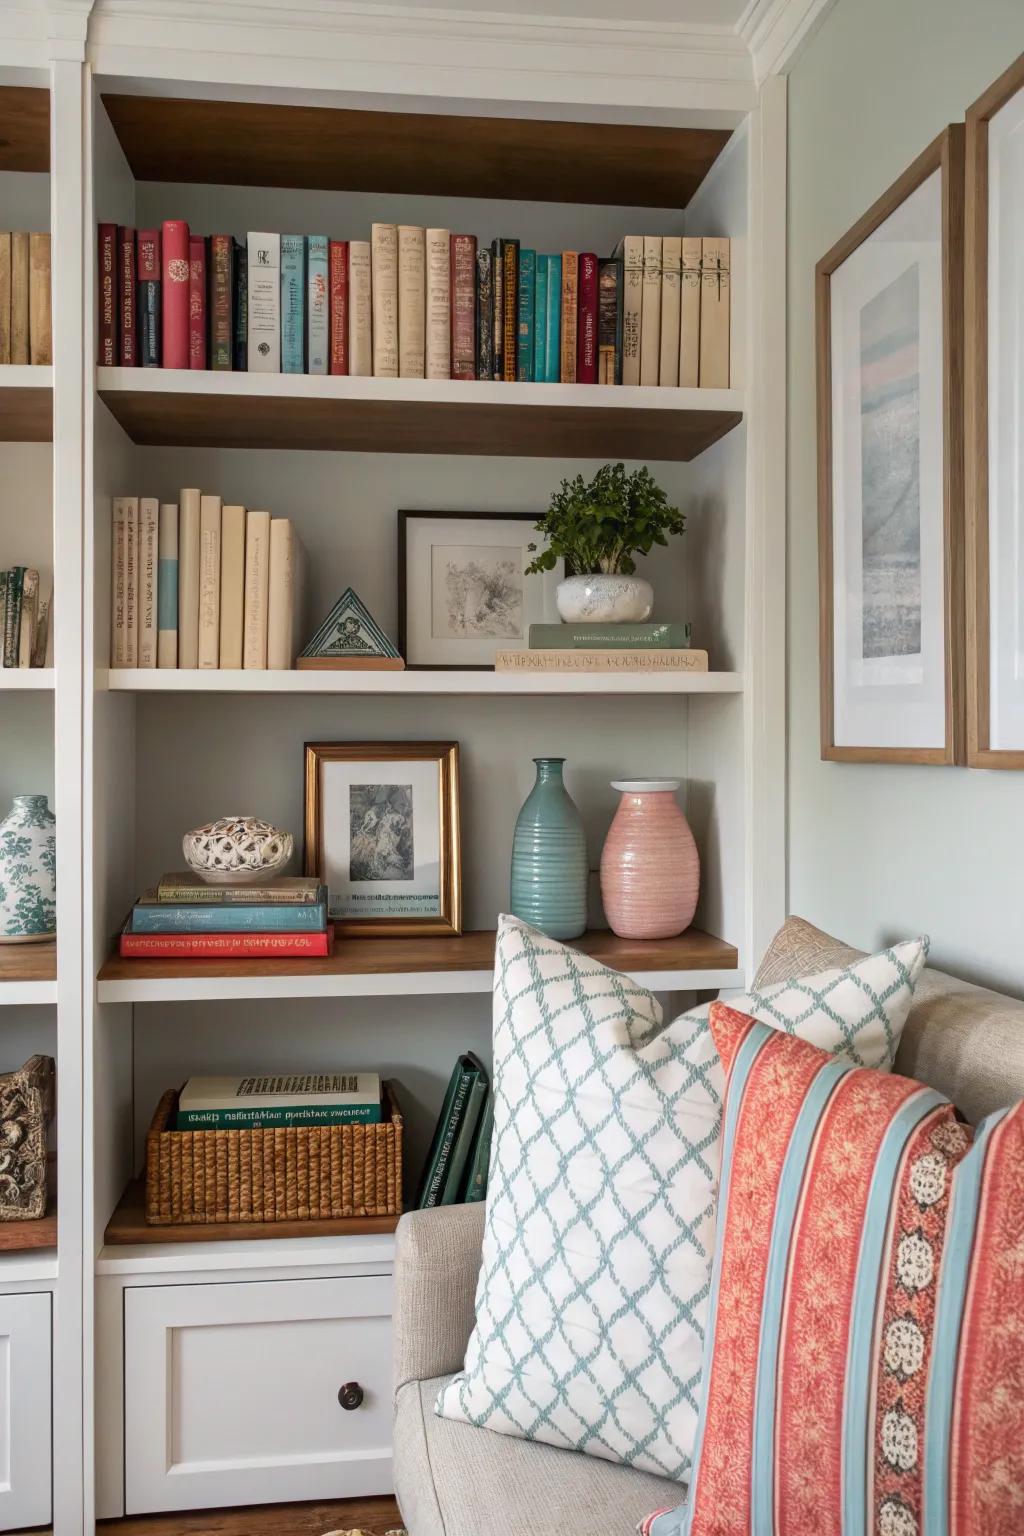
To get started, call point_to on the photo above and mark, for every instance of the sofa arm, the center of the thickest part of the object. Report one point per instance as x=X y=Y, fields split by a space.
x=437 y=1262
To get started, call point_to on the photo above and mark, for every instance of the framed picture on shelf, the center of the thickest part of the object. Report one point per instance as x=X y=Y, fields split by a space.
x=463 y=594
x=994 y=376
x=382 y=833
x=890 y=472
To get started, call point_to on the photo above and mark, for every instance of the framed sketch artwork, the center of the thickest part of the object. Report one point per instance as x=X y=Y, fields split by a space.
x=890 y=472
x=382 y=833
x=995 y=424
x=463 y=593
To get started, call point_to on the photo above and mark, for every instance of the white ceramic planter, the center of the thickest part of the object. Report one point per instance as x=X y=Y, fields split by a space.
x=600 y=599
x=28 y=872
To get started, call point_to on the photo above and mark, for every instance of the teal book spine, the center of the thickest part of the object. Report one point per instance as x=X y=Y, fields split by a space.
x=317 y=306
x=620 y=637
x=283 y=1116
x=183 y=917
x=527 y=299
x=455 y=1178
x=553 y=327
x=540 y=319
x=293 y=303
x=480 y=1158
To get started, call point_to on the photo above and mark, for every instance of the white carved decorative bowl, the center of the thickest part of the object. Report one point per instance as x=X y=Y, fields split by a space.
x=237 y=850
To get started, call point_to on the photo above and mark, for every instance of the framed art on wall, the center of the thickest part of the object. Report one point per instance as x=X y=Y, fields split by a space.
x=994 y=377
x=382 y=833
x=463 y=593
x=890 y=471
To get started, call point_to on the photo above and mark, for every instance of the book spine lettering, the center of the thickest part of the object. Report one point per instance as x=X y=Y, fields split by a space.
x=167 y=588
x=360 y=322
x=317 y=309
x=715 y=283
x=221 y=254
x=264 y=288
x=671 y=277
x=553 y=323
x=650 y=312
x=128 y=348
x=498 y=321
x=384 y=293
x=167 y=917
x=484 y=315
x=118 y=638
x=197 y=301
x=602 y=660
x=175 y=276
x=131 y=582
x=179 y=891
x=148 y=267
x=614 y=636
x=293 y=303
x=107 y=288
x=527 y=318
x=586 y=338
x=570 y=315
x=432 y=1194
x=439 y=304
x=609 y=322
x=632 y=252
x=189 y=539
x=463 y=302
x=12 y=615
x=224 y=945
x=540 y=319
x=412 y=298
x=149 y=517
x=261 y=1119
x=510 y=310
x=208 y=656
x=337 y=276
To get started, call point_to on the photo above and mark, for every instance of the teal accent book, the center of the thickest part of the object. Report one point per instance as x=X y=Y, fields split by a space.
x=184 y=917
x=527 y=300
x=317 y=305
x=540 y=319
x=610 y=637
x=455 y=1179
x=480 y=1158
x=281 y=1117
x=553 y=323
x=293 y=303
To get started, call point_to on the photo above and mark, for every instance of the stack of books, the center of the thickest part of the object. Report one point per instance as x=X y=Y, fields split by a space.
x=260 y=1103
x=184 y=918
x=415 y=303
x=605 y=648
x=201 y=584
x=460 y=1152
x=26 y=319
x=24 y=619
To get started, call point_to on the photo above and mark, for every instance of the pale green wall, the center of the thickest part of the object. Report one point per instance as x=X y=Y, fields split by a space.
x=876 y=851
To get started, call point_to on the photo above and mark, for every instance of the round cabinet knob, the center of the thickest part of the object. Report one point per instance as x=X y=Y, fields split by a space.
x=350 y=1395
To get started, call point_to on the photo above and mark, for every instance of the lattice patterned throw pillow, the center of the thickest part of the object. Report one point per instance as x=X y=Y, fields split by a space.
x=866 y=1341
x=600 y=1209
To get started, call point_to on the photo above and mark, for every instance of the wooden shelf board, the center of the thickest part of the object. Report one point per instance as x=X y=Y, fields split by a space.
x=410 y=967
x=28 y=962
x=128 y=1226
x=29 y=1236
x=24 y=128
x=26 y=403
x=176 y=407
x=417 y=683
x=244 y=143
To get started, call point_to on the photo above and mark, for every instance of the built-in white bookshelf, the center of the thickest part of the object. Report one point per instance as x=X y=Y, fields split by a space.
x=416 y=684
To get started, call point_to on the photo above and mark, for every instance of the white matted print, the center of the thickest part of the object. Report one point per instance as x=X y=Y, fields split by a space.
x=381 y=829
x=463 y=589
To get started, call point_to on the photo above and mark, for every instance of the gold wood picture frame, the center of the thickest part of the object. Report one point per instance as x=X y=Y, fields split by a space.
x=383 y=834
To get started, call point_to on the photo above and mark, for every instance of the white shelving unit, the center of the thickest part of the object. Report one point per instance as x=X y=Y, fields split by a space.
x=17 y=679
x=414 y=684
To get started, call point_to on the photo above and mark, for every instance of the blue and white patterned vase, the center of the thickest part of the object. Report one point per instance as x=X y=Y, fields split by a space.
x=28 y=872
x=549 y=857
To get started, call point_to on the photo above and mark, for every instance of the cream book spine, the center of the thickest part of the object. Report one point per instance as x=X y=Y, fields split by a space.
x=29 y=618
x=283 y=595
x=601 y=661
x=232 y=585
x=148 y=553
x=631 y=249
x=131 y=583
x=5 y=296
x=40 y=310
x=650 y=316
x=671 y=275
x=264 y=298
x=118 y=639
x=167 y=588
x=209 y=583
x=189 y=505
x=384 y=292
x=257 y=586
x=411 y=301
x=19 y=297
x=689 y=314
x=360 y=310
x=715 y=282
x=439 y=304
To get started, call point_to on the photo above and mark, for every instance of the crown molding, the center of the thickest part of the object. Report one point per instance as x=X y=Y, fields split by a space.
x=775 y=31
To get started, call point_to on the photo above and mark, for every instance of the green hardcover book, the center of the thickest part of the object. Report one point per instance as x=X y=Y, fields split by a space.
x=445 y=1132
x=611 y=637
x=262 y=1119
x=184 y=888
x=12 y=615
x=3 y=611
x=455 y=1178
x=480 y=1158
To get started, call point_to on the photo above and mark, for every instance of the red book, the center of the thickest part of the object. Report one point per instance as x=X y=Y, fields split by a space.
x=337 y=278
x=197 y=301
x=175 y=293
x=107 y=291
x=226 y=946
x=221 y=276
x=463 y=306
x=586 y=329
x=128 y=353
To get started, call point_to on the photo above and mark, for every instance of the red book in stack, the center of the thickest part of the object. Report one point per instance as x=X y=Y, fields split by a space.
x=176 y=272
x=226 y=946
x=586 y=331
x=128 y=346
x=337 y=284
x=108 y=290
x=196 y=301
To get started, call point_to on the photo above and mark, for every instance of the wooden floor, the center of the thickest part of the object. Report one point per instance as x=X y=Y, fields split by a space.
x=374 y=1516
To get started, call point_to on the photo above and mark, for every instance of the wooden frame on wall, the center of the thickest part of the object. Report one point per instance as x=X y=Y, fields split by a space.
x=944 y=155
x=980 y=752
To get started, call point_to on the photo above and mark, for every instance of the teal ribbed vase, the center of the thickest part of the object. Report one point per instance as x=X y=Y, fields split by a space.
x=549 y=857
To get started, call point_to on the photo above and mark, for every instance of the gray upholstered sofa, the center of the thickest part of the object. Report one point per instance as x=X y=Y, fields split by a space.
x=454 y=1480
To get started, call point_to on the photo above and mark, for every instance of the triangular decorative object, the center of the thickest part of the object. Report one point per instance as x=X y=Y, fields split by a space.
x=350 y=637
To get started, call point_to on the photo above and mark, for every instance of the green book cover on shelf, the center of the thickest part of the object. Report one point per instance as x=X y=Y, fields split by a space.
x=480 y=1157
x=458 y=1162
x=612 y=637
x=445 y=1132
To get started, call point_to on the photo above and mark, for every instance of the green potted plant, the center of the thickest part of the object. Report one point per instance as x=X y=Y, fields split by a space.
x=597 y=528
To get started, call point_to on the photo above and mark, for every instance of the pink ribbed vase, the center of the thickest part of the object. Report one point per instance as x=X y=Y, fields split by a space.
x=650 y=868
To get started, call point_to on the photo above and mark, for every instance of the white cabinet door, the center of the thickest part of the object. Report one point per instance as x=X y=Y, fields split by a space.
x=231 y=1392
x=25 y=1411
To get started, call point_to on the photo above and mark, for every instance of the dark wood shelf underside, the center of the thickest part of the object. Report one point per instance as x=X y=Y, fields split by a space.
x=24 y=128
x=28 y=962
x=26 y=414
x=128 y=1226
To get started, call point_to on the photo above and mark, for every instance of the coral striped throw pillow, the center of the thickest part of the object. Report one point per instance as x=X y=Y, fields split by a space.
x=864 y=1370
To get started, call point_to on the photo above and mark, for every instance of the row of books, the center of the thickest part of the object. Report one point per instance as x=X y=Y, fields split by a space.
x=457 y=1166
x=416 y=303
x=24 y=618
x=279 y=1101
x=26 y=319
x=200 y=584
x=185 y=918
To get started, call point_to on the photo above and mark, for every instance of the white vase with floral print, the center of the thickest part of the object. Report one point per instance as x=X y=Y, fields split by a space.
x=28 y=872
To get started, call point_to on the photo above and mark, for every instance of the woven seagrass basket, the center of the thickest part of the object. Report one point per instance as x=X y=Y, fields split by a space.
x=295 y=1173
